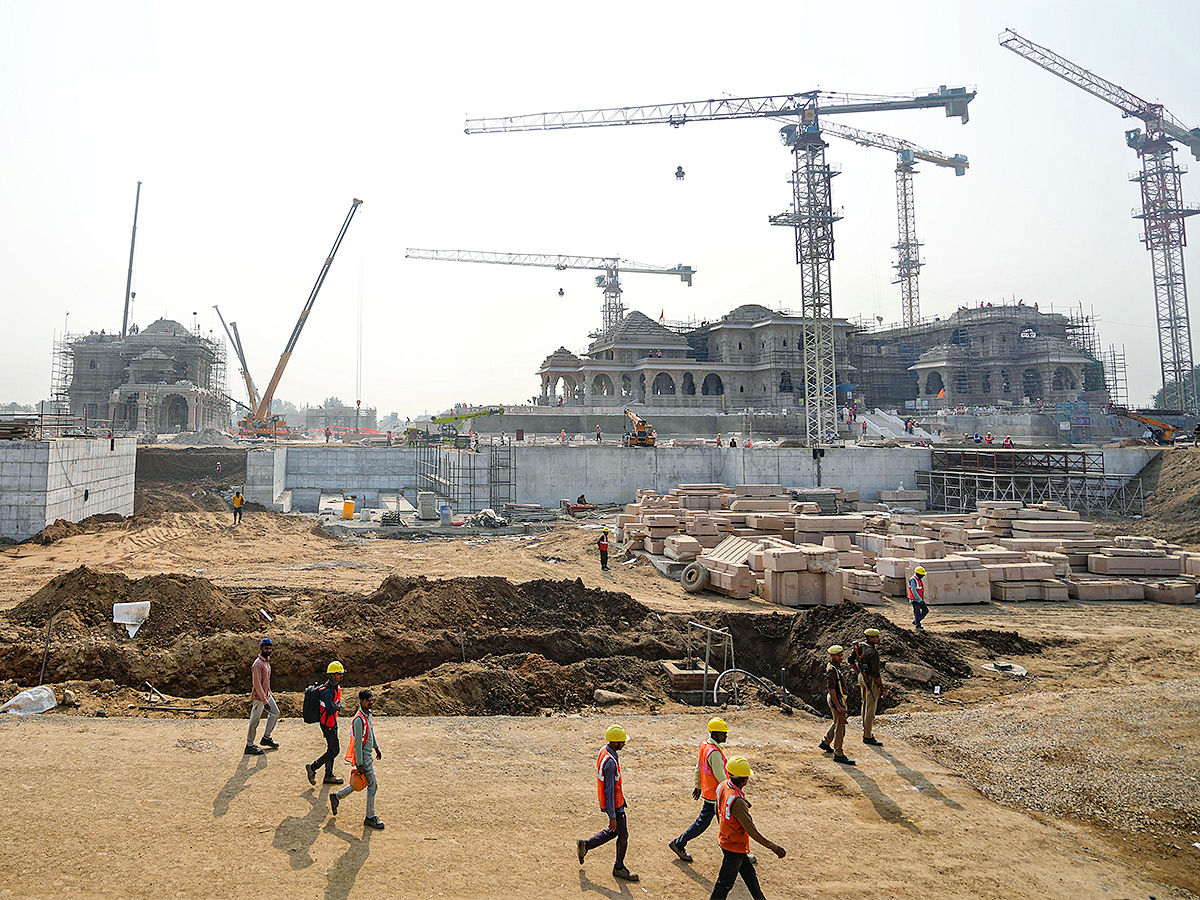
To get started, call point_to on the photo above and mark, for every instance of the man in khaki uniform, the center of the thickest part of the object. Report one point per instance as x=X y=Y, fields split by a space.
x=870 y=681
x=837 y=706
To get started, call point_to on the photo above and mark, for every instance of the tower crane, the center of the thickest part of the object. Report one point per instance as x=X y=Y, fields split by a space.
x=613 y=310
x=908 y=248
x=1163 y=210
x=812 y=214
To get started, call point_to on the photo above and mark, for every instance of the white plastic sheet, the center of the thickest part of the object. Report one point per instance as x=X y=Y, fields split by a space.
x=131 y=615
x=34 y=700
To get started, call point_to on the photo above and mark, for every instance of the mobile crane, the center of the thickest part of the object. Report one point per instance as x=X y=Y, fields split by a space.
x=259 y=421
x=642 y=434
x=1163 y=433
x=448 y=428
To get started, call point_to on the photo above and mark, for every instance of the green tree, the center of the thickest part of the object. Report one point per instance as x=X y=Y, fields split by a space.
x=1159 y=401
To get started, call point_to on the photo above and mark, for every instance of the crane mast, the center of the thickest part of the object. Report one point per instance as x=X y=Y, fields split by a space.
x=1162 y=214
x=613 y=310
x=908 y=248
x=236 y=340
x=812 y=215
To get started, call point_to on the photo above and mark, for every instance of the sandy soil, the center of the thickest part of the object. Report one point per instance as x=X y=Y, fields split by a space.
x=491 y=808
x=1079 y=781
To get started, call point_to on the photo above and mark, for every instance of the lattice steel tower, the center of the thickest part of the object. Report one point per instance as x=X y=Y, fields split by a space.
x=1163 y=210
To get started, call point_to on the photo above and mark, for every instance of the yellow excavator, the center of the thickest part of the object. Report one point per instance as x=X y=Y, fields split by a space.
x=1163 y=433
x=642 y=435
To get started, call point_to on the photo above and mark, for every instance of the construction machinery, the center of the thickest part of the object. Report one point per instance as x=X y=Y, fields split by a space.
x=640 y=434
x=812 y=214
x=1163 y=210
x=236 y=340
x=260 y=421
x=908 y=248
x=1161 y=431
x=613 y=310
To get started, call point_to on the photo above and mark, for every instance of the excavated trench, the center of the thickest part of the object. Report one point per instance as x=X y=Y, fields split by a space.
x=473 y=646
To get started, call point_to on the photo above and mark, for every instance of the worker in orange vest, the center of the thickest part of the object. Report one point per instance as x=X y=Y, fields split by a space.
x=736 y=829
x=358 y=754
x=710 y=772
x=611 y=794
x=602 y=545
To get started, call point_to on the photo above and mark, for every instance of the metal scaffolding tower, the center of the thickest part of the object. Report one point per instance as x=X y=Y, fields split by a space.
x=1163 y=210
x=812 y=215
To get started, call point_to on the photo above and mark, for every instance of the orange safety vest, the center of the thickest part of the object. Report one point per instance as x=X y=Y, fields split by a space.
x=602 y=542
x=350 y=754
x=916 y=590
x=731 y=835
x=708 y=778
x=329 y=715
x=618 y=794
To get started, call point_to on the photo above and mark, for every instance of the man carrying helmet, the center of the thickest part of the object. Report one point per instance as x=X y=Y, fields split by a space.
x=736 y=827
x=262 y=698
x=611 y=794
x=710 y=772
x=602 y=545
x=358 y=754
x=916 y=596
x=837 y=706
x=331 y=702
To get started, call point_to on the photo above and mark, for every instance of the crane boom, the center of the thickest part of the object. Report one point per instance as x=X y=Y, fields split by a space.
x=953 y=100
x=263 y=409
x=1129 y=103
x=812 y=215
x=612 y=311
x=876 y=139
x=236 y=340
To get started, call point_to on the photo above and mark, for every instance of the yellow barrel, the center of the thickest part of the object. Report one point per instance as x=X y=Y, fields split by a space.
x=347 y=509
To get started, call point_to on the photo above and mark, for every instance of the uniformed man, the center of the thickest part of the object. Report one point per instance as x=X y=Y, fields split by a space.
x=611 y=794
x=870 y=681
x=836 y=691
x=710 y=772
x=916 y=596
x=736 y=827
x=602 y=546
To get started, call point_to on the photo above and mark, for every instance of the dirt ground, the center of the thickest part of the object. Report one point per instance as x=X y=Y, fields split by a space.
x=1078 y=781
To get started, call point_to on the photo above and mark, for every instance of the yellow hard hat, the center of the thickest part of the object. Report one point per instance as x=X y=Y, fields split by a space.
x=737 y=767
x=717 y=724
x=334 y=668
x=872 y=632
x=615 y=733
x=836 y=649
x=920 y=570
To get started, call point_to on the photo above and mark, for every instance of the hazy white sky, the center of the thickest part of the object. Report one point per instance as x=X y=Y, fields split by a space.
x=253 y=125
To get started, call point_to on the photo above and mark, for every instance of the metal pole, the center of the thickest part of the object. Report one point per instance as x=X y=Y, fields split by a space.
x=707 y=651
x=129 y=279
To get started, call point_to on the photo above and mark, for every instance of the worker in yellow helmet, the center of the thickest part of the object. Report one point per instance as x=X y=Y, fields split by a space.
x=710 y=772
x=736 y=827
x=610 y=791
x=916 y=596
x=331 y=704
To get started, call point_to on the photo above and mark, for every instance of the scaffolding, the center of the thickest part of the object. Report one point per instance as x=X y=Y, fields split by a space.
x=1023 y=462
x=1115 y=375
x=62 y=368
x=1095 y=495
x=469 y=481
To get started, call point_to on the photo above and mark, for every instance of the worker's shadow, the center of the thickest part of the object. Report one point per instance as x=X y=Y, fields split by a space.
x=344 y=872
x=686 y=869
x=586 y=884
x=919 y=781
x=296 y=835
x=237 y=783
x=885 y=806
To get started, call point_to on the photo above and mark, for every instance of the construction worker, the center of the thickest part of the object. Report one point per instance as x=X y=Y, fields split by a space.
x=602 y=545
x=358 y=754
x=611 y=794
x=736 y=827
x=836 y=692
x=977 y=438
x=331 y=703
x=261 y=698
x=597 y=434
x=916 y=596
x=1008 y=444
x=989 y=439
x=238 y=502
x=870 y=682
x=710 y=772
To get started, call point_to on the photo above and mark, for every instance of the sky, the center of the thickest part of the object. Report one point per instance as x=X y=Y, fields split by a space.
x=252 y=126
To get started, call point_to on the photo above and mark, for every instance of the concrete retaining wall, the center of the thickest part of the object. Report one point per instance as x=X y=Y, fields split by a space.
x=42 y=481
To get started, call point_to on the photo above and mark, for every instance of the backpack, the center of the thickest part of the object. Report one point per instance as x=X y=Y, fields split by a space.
x=312 y=704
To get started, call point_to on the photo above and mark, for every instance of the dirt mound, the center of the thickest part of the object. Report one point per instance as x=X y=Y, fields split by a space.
x=61 y=528
x=1005 y=643
x=474 y=603
x=190 y=465
x=208 y=437
x=154 y=500
x=179 y=604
